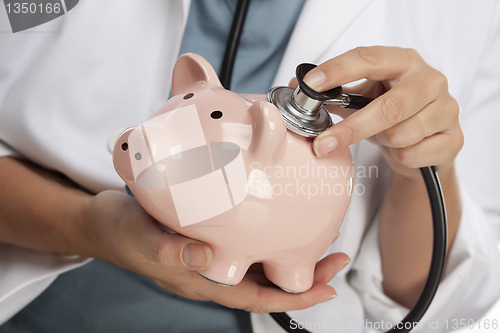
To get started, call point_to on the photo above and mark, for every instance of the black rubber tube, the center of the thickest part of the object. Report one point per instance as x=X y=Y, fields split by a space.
x=233 y=42
x=438 y=251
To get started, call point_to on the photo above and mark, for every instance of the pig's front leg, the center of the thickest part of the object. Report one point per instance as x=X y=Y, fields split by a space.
x=291 y=277
x=227 y=268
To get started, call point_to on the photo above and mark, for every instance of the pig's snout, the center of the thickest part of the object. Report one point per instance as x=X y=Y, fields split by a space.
x=204 y=181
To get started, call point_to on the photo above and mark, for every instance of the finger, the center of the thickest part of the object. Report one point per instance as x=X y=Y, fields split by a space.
x=371 y=89
x=176 y=251
x=272 y=299
x=150 y=241
x=256 y=274
x=247 y=295
x=368 y=88
x=377 y=63
x=396 y=105
x=340 y=111
x=319 y=293
x=436 y=117
x=262 y=299
x=439 y=150
x=293 y=82
x=253 y=293
x=330 y=265
x=186 y=283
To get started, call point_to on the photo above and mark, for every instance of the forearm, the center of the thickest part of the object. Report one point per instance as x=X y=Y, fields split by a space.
x=40 y=210
x=405 y=233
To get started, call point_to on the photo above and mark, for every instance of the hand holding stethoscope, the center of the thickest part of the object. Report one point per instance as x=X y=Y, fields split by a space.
x=414 y=119
x=415 y=122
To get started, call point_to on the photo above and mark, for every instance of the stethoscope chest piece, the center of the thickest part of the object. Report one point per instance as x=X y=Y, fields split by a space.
x=297 y=121
x=302 y=108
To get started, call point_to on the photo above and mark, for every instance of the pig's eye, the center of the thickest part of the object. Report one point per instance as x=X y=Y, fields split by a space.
x=188 y=96
x=216 y=114
x=138 y=156
x=124 y=146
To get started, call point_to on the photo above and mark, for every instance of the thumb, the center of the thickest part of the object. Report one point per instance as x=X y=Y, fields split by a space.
x=177 y=251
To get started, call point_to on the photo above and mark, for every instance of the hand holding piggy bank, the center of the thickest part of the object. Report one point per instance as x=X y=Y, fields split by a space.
x=221 y=168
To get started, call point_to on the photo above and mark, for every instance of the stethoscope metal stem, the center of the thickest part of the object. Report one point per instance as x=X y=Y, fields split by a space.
x=303 y=108
x=304 y=104
x=305 y=115
x=311 y=107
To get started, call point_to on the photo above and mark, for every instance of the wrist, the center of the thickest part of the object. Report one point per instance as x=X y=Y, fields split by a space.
x=40 y=209
x=101 y=225
x=77 y=239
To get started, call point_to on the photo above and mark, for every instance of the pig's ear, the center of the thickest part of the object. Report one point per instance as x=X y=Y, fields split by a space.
x=269 y=132
x=121 y=156
x=189 y=69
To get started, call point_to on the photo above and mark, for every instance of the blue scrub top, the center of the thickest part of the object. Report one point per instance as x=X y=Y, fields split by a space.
x=267 y=29
x=100 y=297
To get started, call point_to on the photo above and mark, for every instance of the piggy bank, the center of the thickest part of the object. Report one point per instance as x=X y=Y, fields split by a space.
x=222 y=168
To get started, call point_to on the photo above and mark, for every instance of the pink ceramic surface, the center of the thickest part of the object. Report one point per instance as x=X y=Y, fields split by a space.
x=221 y=167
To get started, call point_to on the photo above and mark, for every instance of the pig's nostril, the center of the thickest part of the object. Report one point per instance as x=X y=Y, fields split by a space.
x=188 y=96
x=124 y=146
x=138 y=156
x=216 y=114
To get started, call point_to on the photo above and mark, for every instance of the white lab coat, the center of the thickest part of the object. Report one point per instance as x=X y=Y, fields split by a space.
x=68 y=85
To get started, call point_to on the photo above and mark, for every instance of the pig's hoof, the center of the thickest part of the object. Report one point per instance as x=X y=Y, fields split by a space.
x=219 y=283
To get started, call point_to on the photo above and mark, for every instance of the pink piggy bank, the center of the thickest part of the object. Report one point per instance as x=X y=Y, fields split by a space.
x=222 y=168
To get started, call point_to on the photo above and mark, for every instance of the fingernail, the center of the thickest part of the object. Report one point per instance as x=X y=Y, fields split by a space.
x=315 y=79
x=196 y=255
x=335 y=238
x=344 y=265
x=325 y=145
x=329 y=298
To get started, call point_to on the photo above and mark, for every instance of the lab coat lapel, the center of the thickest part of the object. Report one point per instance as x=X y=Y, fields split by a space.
x=185 y=9
x=319 y=25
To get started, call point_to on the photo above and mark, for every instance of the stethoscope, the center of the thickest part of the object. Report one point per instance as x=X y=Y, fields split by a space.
x=304 y=113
